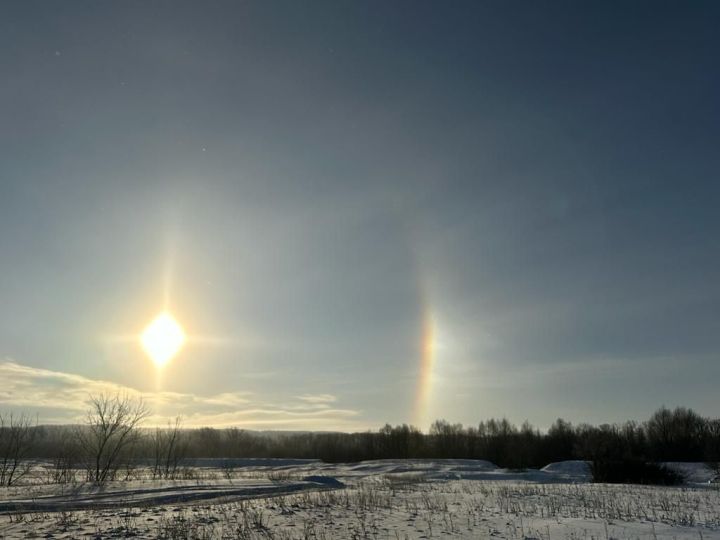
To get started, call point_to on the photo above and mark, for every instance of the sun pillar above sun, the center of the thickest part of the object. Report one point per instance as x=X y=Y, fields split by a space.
x=162 y=339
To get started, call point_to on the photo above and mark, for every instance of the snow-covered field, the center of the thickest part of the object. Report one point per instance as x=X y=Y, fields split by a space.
x=396 y=499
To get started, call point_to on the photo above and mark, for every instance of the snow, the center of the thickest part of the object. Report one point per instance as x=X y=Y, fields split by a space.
x=155 y=493
x=298 y=499
x=325 y=481
x=693 y=473
x=217 y=463
x=577 y=470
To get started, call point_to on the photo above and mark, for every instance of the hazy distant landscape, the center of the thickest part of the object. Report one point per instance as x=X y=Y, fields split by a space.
x=112 y=477
x=114 y=439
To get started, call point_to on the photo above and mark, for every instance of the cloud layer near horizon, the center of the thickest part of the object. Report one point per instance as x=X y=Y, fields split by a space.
x=59 y=397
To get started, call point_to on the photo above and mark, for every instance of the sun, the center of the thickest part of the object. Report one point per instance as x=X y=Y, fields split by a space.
x=162 y=339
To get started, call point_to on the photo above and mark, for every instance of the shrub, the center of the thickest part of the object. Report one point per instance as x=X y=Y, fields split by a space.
x=630 y=471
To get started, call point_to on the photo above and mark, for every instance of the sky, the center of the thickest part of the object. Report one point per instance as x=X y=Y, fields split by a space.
x=361 y=212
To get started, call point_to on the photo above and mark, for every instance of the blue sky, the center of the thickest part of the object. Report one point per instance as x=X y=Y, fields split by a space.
x=309 y=184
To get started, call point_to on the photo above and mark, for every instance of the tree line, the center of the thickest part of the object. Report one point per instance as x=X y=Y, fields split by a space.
x=112 y=441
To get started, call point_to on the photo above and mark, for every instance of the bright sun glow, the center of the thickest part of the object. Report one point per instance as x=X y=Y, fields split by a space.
x=162 y=339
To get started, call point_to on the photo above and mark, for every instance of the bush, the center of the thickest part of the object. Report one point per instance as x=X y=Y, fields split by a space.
x=630 y=471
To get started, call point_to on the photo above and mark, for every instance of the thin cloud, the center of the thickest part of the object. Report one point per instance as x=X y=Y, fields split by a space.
x=318 y=400
x=67 y=396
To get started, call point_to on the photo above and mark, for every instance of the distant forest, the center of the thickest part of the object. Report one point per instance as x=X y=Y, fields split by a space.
x=668 y=435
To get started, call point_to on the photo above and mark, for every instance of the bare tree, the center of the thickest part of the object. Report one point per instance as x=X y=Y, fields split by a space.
x=65 y=459
x=17 y=434
x=168 y=450
x=111 y=430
